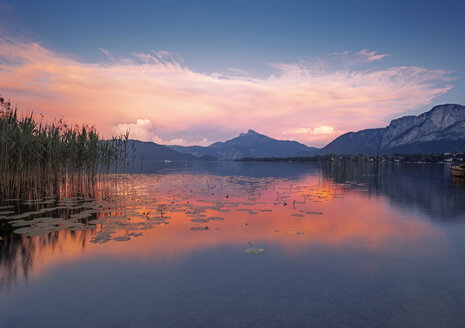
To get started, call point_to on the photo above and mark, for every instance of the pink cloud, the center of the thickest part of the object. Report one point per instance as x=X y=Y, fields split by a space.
x=370 y=56
x=175 y=99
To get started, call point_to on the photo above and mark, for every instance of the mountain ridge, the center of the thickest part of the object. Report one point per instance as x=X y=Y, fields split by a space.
x=441 y=129
x=249 y=144
x=151 y=151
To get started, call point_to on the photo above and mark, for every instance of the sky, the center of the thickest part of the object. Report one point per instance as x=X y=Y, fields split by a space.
x=196 y=72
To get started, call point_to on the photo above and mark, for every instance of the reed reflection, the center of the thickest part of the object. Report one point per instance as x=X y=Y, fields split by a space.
x=42 y=208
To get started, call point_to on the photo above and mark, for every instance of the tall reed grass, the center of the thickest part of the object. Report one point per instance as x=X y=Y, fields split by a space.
x=32 y=150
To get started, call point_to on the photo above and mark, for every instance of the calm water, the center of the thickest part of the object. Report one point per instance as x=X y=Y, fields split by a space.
x=239 y=245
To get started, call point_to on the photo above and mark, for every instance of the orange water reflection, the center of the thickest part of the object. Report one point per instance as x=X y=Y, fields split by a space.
x=266 y=212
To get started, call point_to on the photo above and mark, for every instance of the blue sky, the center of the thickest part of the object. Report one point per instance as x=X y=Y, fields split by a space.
x=215 y=36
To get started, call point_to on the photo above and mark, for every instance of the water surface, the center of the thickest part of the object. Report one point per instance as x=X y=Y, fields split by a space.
x=235 y=244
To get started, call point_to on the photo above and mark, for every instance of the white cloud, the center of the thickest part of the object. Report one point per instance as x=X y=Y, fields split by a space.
x=143 y=130
x=323 y=130
x=139 y=130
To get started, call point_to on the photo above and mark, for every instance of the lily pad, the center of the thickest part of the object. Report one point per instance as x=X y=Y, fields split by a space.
x=215 y=218
x=253 y=250
x=296 y=233
x=101 y=237
x=6 y=212
x=20 y=223
x=199 y=220
x=25 y=230
x=122 y=238
x=199 y=228
x=135 y=234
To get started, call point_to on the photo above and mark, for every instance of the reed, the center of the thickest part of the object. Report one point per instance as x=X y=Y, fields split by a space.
x=32 y=151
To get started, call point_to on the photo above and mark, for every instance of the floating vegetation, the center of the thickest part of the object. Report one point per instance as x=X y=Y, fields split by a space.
x=296 y=233
x=101 y=237
x=6 y=212
x=121 y=238
x=121 y=207
x=249 y=211
x=199 y=228
x=215 y=218
x=199 y=220
x=252 y=250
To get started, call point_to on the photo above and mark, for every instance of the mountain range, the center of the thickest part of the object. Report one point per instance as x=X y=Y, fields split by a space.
x=151 y=151
x=442 y=129
x=250 y=144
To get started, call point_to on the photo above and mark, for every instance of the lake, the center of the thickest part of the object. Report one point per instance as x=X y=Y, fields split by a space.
x=238 y=244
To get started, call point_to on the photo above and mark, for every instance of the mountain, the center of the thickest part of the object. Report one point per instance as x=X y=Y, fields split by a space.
x=155 y=152
x=250 y=144
x=442 y=129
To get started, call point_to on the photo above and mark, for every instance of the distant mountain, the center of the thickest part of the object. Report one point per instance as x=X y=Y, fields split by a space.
x=155 y=152
x=250 y=144
x=442 y=129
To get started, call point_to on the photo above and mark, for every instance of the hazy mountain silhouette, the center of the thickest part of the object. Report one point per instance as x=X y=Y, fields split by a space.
x=155 y=152
x=250 y=144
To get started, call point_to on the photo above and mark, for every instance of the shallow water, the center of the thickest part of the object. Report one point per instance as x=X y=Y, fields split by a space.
x=234 y=244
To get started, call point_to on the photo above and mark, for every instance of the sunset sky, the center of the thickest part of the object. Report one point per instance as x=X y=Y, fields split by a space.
x=196 y=72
